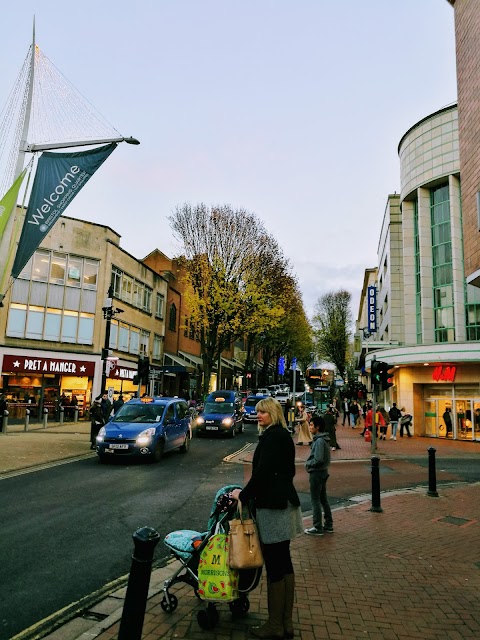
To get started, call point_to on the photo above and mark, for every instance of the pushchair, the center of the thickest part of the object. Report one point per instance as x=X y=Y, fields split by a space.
x=187 y=545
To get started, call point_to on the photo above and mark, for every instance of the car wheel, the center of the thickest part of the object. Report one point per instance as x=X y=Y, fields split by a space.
x=186 y=444
x=158 y=451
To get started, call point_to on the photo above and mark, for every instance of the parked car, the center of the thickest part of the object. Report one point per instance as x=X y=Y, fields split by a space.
x=146 y=428
x=274 y=389
x=264 y=391
x=222 y=414
x=250 y=411
x=282 y=397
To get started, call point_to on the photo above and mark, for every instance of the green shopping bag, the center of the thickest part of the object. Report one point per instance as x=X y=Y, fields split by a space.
x=216 y=581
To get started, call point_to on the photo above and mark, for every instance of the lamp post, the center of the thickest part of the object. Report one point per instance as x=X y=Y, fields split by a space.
x=109 y=311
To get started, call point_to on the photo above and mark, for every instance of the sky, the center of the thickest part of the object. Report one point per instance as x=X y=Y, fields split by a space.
x=291 y=109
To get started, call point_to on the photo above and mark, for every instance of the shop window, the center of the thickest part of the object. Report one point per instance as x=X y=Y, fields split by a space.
x=17 y=317
x=69 y=327
x=172 y=318
x=53 y=321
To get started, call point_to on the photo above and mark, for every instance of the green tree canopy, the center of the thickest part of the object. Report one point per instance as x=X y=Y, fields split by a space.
x=332 y=323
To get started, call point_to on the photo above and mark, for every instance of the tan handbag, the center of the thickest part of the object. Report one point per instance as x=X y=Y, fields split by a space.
x=245 y=551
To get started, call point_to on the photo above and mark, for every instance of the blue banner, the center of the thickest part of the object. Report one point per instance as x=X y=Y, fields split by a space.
x=58 y=179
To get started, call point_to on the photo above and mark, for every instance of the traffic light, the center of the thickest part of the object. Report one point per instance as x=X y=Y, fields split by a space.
x=143 y=369
x=381 y=375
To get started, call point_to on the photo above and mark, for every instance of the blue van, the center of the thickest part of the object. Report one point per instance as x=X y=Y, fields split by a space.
x=146 y=428
x=250 y=407
x=222 y=414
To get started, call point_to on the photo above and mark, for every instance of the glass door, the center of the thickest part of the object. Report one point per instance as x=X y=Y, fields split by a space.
x=445 y=418
x=431 y=426
x=465 y=423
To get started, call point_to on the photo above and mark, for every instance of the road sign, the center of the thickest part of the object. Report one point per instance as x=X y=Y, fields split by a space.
x=294 y=363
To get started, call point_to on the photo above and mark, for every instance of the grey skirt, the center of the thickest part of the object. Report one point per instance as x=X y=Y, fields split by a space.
x=277 y=525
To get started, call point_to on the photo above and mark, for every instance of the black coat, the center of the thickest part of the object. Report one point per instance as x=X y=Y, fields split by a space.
x=273 y=470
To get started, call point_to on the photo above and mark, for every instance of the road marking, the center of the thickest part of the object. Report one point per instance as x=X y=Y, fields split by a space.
x=41 y=467
x=237 y=453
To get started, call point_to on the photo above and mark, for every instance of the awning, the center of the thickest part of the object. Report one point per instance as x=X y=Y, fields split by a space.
x=172 y=363
x=194 y=360
x=230 y=364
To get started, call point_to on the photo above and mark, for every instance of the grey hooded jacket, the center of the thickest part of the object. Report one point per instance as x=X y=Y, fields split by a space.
x=319 y=457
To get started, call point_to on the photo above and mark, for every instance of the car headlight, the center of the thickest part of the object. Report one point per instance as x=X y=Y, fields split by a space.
x=145 y=437
x=227 y=421
x=200 y=420
x=101 y=434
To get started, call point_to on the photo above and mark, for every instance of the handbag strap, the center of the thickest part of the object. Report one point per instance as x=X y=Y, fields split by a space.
x=240 y=508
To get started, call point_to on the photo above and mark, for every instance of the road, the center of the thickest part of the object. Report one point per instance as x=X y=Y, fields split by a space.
x=67 y=530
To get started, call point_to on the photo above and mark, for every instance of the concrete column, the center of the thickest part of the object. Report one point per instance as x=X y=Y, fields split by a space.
x=426 y=262
x=457 y=259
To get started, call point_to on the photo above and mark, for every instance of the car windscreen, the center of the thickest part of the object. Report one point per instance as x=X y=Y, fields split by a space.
x=139 y=413
x=251 y=402
x=218 y=407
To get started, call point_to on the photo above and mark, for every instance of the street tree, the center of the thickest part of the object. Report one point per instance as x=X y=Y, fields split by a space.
x=332 y=323
x=227 y=255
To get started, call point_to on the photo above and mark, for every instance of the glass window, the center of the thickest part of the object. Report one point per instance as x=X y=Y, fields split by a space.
x=160 y=306
x=57 y=268
x=69 y=326
x=137 y=294
x=123 y=336
x=53 y=321
x=172 y=320
x=134 y=340
x=116 y=282
x=144 y=340
x=85 y=328
x=185 y=328
x=35 y=318
x=127 y=286
x=157 y=347
x=113 y=335
x=17 y=316
x=74 y=272
x=147 y=299
x=90 y=274
x=41 y=264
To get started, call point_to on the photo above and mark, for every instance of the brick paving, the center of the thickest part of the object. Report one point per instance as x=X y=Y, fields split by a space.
x=412 y=571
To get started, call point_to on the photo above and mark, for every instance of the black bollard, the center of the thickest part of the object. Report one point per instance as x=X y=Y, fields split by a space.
x=133 y=614
x=376 y=485
x=432 y=474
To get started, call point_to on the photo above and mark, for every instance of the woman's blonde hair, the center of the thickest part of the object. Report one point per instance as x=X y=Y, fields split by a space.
x=274 y=409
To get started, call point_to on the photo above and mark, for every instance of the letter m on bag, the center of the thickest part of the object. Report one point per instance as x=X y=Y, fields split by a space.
x=216 y=559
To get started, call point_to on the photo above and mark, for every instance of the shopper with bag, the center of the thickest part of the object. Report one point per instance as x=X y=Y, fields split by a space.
x=277 y=510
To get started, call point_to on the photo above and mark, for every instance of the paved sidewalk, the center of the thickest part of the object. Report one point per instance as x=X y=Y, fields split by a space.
x=412 y=571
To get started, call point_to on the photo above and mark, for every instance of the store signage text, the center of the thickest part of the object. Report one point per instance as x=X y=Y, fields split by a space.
x=21 y=364
x=372 y=308
x=444 y=374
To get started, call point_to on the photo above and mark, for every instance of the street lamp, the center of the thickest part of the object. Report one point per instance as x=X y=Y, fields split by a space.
x=109 y=311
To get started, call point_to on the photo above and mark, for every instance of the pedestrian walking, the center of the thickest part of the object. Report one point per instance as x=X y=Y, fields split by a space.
x=106 y=407
x=346 y=411
x=278 y=514
x=330 y=421
x=317 y=466
x=304 y=436
x=405 y=422
x=354 y=413
x=379 y=422
x=394 y=415
x=447 y=418
x=96 y=420
x=117 y=404
x=386 y=422
x=368 y=418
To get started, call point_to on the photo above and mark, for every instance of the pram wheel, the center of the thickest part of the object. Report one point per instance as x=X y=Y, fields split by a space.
x=208 y=618
x=167 y=606
x=239 y=607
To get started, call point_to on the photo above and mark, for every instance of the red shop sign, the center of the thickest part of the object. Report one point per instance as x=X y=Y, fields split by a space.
x=444 y=374
x=21 y=364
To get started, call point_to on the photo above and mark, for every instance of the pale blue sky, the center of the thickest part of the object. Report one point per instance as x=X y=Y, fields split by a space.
x=292 y=109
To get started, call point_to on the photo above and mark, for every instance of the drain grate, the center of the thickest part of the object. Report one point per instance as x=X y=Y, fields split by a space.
x=454 y=520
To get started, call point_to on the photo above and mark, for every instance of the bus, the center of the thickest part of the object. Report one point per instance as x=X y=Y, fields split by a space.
x=318 y=393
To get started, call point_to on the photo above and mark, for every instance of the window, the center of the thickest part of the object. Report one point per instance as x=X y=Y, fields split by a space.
x=116 y=282
x=418 y=281
x=58 y=267
x=85 y=328
x=123 y=337
x=144 y=340
x=53 y=321
x=185 y=328
x=134 y=340
x=159 y=306
x=472 y=310
x=130 y=290
x=69 y=326
x=172 y=318
x=127 y=287
x=157 y=347
x=41 y=264
x=17 y=317
x=74 y=272
x=442 y=264
x=191 y=334
x=35 y=318
x=90 y=274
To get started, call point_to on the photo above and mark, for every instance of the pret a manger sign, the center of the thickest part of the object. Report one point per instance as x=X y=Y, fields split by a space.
x=21 y=364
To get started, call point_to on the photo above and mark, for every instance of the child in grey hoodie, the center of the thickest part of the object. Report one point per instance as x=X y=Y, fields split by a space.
x=317 y=466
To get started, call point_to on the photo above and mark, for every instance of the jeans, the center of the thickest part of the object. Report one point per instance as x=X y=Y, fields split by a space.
x=394 y=424
x=318 y=496
x=353 y=419
x=346 y=416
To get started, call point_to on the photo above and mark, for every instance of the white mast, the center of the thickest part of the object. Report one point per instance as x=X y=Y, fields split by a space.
x=28 y=110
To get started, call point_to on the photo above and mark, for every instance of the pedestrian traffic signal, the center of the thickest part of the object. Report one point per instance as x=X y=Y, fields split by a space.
x=381 y=375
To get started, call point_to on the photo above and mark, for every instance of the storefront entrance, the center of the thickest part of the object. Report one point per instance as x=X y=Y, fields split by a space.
x=452 y=417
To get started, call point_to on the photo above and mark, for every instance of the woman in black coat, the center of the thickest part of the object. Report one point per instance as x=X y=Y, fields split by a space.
x=278 y=514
